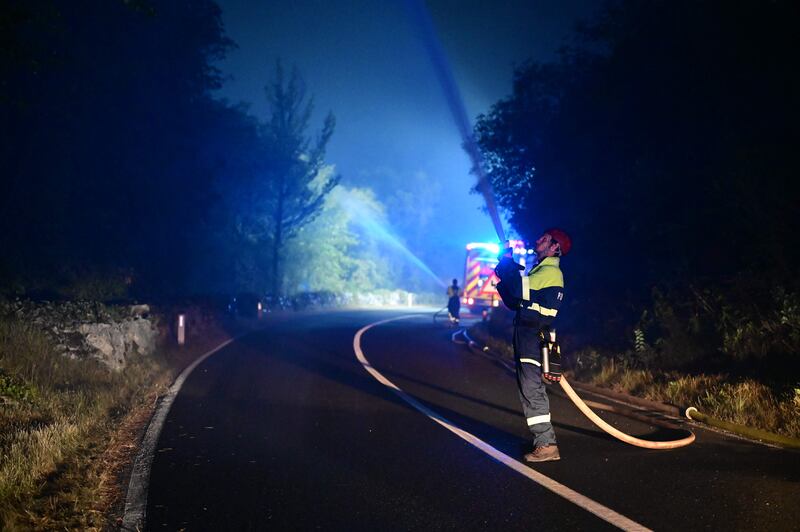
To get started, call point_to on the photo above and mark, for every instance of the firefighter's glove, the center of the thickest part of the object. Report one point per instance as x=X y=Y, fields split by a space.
x=510 y=286
x=507 y=267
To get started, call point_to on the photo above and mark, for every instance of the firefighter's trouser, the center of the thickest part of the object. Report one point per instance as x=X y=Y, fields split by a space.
x=532 y=394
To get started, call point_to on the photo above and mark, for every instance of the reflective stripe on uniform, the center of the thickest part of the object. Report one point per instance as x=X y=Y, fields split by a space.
x=530 y=361
x=526 y=288
x=535 y=420
x=544 y=311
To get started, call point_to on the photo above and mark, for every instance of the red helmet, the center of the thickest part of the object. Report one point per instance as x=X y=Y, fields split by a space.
x=562 y=238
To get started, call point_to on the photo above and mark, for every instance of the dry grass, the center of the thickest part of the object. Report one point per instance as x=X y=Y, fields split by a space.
x=56 y=415
x=35 y=452
x=747 y=402
x=70 y=428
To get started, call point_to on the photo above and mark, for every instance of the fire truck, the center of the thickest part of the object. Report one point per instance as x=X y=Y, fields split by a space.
x=480 y=294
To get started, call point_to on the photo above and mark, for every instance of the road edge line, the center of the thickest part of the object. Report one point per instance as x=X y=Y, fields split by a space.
x=590 y=505
x=135 y=512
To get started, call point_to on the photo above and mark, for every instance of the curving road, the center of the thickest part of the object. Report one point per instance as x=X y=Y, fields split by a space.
x=285 y=429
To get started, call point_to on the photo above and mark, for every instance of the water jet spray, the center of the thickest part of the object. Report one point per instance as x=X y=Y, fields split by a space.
x=455 y=102
x=367 y=220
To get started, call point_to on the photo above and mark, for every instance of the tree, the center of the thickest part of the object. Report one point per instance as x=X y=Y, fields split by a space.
x=333 y=253
x=664 y=141
x=107 y=172
x=296 y=180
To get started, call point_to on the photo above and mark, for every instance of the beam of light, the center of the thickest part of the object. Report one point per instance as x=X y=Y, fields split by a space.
x=367 y=220
x=456 y=103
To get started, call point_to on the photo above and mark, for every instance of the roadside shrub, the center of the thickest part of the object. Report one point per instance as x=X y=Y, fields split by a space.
x=741 y=325
x=586 y=361
x=753 y=331
x=670 y=335
x=96 y=287
x=15 y=389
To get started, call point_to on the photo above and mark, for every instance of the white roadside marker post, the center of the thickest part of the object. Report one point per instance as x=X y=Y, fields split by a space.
x=181 y=329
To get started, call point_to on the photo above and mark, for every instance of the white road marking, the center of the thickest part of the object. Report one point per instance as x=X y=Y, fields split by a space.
x=136 y=499
x=603 y=512
x=484 y=353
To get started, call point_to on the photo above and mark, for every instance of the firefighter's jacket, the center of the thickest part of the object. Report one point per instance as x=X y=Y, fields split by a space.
x=535 y=297
x=453 y=291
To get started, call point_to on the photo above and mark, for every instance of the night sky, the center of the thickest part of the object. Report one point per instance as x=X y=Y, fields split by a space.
x=365 y=62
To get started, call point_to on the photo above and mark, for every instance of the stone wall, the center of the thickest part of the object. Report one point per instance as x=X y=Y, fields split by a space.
x=110 y=333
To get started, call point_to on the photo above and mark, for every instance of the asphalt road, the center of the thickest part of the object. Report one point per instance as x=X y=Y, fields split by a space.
x=286 y=430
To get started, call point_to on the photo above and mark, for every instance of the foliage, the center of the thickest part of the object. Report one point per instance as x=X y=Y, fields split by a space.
x=297 y=180
x=750 y=330
x=331 y=253
x=661 y=141
x=118 y=169
x=101 y=286
x=156 y=179
x=742 y=326
x=15 y=390
x=133 y=182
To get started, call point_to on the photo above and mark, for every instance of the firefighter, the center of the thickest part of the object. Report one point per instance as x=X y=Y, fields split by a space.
x=536 y=298
x=454 y=301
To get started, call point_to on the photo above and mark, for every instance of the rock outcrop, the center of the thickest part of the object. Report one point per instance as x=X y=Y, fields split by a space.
x=112 y=334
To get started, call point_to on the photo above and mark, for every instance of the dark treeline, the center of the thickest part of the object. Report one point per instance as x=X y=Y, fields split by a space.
x=664 y=139
x=121 y=175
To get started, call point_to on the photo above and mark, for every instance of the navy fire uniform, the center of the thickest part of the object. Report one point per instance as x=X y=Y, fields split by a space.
x=535 y=298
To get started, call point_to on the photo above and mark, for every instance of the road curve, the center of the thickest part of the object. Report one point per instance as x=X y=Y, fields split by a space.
x=285 y=429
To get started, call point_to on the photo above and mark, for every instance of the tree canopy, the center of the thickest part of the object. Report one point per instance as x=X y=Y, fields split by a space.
x=114 y=143
x=123 y=175
x=297 y=179
x=664 y=142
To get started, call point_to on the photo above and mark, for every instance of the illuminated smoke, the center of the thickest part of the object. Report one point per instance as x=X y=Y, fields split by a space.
x=367 y=220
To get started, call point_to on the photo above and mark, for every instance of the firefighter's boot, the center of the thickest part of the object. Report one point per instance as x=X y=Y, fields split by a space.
x=545 y=453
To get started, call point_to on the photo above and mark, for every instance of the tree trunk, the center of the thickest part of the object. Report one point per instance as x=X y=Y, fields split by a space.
x=277 y=241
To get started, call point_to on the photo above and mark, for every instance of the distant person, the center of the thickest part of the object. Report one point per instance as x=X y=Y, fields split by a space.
x=536 y=298
x=454 y=301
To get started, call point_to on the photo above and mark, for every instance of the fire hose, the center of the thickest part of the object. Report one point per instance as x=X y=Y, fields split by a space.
x=627 y=438
x=551 y=372
x=584 y=407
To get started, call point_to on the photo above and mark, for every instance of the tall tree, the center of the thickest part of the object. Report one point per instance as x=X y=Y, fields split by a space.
x=296 y=179
x=109 y=171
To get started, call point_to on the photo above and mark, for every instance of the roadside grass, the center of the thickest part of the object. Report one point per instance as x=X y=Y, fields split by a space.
x=745 y=401
x=57 y=416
